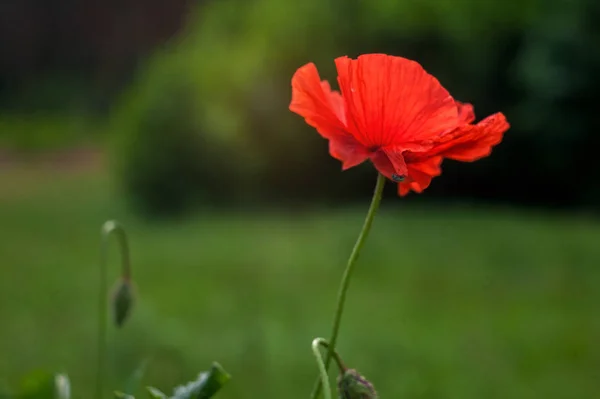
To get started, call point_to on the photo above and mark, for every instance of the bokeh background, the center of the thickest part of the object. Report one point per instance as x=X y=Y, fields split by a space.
x=172 y=117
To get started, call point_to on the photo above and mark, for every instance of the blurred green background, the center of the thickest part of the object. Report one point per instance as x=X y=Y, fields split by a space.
x=172 y=117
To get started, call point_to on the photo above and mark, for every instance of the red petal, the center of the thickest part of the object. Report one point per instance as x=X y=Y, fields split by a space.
x=472 y=142
x=420 y=175
x=336 y=101
x=466 y=113
x=393 y=100
x=390 y=163
x=313 y=100
x=403 y=188
x=324 y=109
x=349 y=151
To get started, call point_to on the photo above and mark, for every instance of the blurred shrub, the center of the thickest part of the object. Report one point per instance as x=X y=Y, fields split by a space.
x=165 y=158
x=161 y=152
x=207 y=117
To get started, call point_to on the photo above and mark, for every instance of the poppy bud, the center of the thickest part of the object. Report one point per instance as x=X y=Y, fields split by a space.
x=122 y=301
x=352 y=385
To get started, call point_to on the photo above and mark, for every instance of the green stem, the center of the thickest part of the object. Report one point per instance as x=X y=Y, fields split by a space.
x=336 y=356
x=323 y=372
x=341 y=299
x=107 y=229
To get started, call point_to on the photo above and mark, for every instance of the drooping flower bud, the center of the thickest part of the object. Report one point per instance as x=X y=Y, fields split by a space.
x=122 y=301
x=352 y=385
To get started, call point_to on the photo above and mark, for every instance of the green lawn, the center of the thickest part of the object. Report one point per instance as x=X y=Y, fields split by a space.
x=446 y=303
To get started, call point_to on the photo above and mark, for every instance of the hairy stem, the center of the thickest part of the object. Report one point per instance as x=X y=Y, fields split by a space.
x=345 y=283
x=324 y=377
x=336 y=356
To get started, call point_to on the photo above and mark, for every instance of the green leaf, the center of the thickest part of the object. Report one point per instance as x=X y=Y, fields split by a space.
x=155 y=393
x=206 y=386
x=134 y=381
x=121 y=395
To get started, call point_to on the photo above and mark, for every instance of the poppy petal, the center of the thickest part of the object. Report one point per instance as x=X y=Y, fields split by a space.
x=348 y=150
x=420 y=175
x=473 y=142
x=313 y=100
x=393 y=100
x=466 y=113
x=336 y=101
x=390 y=163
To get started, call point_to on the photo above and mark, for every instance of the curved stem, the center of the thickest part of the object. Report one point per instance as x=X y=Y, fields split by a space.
x=107 y=229
x=336 y=356
x=341 y=299
x=323 y=371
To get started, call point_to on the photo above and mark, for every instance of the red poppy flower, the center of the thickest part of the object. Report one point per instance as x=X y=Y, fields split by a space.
x=394 y=113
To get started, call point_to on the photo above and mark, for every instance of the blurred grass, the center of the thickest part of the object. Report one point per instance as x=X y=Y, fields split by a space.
x=446 y=302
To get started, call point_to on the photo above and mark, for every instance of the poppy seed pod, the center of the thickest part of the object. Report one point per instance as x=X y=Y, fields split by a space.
x=122 y=301
x=352 y=385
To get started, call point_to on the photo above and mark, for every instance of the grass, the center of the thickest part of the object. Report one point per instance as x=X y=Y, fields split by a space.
x=446 y=302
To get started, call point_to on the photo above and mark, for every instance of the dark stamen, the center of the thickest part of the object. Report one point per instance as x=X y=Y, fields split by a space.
x=397 y=178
